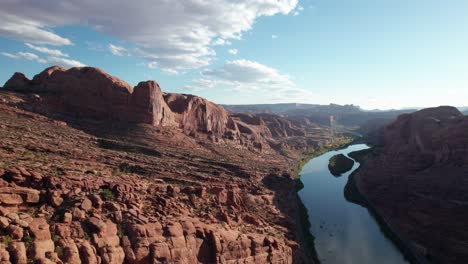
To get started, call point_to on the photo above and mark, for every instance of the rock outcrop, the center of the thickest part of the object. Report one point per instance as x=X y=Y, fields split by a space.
x=91 y=93
x=195 y=114
x=417 y=182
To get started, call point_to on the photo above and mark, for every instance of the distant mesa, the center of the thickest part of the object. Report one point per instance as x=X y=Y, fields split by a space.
x=340 y=164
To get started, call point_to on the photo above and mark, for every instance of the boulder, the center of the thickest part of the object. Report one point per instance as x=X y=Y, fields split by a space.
x=15 y=232
x=39 y=229
x=4 y=255
x=88 y=253
x=18 y=253
x=71 y=254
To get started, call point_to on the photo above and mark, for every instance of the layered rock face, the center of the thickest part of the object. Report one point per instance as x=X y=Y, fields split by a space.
x=194 y=114
x=91 y=93
x=186 y=182
x=418 y=182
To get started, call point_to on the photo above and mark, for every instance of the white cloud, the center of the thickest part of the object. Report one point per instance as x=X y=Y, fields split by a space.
x=53 y=60
x=21 y=55
x=274 y=36
x=152 y=65
x=170 y=71
x=246 y=71
x=65 y=62
x=118 y=50
x=177 y=34
x=53 y=52
x=221 y=42
x=24 y=29
x=250 y=79
x=203 y=84
x=233 y=51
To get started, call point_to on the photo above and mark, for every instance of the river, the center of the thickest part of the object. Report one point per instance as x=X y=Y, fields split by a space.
x=346 y=233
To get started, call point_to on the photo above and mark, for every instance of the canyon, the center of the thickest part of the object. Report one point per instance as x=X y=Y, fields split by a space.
x=93 y=170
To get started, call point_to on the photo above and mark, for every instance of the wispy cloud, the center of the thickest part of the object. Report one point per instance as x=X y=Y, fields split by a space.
x=249 y=77
x=65 y=62
x=118 y=50
x=221 y=42
x=298 y=10
x=233 y=51
x=22 y=55
x=53 y=60
x=52 y=52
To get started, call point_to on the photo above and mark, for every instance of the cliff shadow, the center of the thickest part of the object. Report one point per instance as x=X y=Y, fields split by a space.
x=296 y=217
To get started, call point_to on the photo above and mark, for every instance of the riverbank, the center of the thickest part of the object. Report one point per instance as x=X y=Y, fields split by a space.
x=354 y=195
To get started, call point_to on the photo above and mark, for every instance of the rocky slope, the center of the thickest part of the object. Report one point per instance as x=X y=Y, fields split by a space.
x=93 y=170
x=418 y=182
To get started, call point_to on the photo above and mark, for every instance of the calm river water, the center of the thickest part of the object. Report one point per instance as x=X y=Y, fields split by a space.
x=345 y=232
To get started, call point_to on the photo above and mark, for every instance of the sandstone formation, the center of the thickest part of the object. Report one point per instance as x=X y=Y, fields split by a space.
x=91 y=93
x=95 y=171
x=195 y=114
x=417 y=182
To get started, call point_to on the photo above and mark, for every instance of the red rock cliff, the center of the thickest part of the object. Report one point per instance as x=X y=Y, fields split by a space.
x=88 y=92
x=194 y=114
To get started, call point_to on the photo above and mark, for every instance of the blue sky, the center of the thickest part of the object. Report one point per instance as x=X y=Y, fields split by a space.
x=373 y=53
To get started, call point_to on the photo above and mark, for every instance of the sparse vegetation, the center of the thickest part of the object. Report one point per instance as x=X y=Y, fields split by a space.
x=86 y=236
x=28 y=240
x=107 y=194
x=6 y=240
x=59 y=251
x=55 y=238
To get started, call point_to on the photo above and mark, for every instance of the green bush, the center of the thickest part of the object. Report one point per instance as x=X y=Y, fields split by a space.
x=107 y=195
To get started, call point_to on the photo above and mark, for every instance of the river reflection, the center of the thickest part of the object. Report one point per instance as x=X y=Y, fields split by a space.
x=345 y=232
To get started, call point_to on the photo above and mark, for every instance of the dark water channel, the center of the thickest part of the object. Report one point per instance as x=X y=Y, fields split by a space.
x=346 y=233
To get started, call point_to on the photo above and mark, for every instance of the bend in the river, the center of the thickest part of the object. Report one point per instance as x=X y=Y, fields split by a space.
x=345 y=232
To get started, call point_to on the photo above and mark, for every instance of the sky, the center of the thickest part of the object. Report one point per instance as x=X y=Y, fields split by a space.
x=372 y=53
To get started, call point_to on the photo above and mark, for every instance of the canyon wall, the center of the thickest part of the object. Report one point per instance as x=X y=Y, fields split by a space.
x=418 y=180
